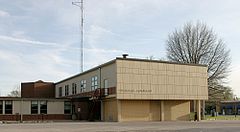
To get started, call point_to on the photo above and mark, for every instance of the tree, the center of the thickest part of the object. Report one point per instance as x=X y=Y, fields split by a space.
x=15 y=92
x=198 y=44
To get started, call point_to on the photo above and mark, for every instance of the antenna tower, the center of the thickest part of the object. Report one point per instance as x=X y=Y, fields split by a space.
x=80 y=5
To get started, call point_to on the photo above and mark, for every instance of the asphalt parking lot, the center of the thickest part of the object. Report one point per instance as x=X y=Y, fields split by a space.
x=203 y=126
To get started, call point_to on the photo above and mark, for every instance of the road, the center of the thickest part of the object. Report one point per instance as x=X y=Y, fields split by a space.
x=203 y=126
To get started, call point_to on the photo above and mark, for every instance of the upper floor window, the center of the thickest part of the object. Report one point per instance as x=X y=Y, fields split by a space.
x=43 y=107
x=66 y=90
x=1 y=107
x=8 y=107
x=94 y=84
x=60 y=92
x=74 y=88
x=83 y=84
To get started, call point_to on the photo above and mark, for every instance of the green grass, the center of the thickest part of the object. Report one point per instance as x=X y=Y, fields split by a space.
x=221 y=117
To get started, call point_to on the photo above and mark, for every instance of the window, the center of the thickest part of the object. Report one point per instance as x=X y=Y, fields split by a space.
x=94 y=84
x=8 y=107
x=66 y=90
x=74 y=88
x=83 y=84
x=43 y=107
x=34 y=107
x=60 y=92
x=1 y=107
x=67 y=107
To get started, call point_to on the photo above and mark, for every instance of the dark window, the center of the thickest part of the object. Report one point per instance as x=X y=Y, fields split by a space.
x=43 y=107
x=67 y=107
x=74 y=88
x=60 y=92
x=34 y=107
x=8 y=107
x=1 y=107
x=83 y=85
x=66 y=90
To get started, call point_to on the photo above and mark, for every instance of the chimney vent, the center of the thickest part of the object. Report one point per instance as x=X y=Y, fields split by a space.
x=124 y=55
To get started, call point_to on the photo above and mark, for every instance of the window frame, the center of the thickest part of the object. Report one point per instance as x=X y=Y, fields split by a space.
x=7 y=110
x=83 y=84
x=94 y=82
x=66 y=90
x=74 y=88
x=34 y=111
x=42 y=104
x=67 y=107
x=60 y=91
x=1 y=107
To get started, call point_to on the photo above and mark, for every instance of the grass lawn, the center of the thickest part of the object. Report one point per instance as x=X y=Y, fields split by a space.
x=221 y=117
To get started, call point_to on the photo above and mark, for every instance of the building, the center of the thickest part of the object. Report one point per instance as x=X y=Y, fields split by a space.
x=127 y=89
x=34 y=109
x=37 y=102
x=229 y=107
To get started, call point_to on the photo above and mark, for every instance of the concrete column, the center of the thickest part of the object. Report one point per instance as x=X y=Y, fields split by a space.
x=198 y=102
x=119 y=110
x=162 y=110
x=3 y=107
x=39 y=111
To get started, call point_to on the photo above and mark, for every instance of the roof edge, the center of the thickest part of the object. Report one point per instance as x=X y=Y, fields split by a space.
x=160 y=61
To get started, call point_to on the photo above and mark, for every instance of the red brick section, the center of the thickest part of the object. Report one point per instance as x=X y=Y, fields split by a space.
x=35 y=117
x=38 y=89
x=27 y=90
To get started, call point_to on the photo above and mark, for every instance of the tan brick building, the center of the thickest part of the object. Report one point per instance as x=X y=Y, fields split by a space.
x=126 y=89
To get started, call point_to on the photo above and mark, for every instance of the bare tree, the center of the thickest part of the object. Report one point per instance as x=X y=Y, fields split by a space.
x=198 y=44
x=15 y=92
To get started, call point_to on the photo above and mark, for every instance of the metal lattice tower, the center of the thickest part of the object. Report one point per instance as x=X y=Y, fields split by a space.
x=80 y=5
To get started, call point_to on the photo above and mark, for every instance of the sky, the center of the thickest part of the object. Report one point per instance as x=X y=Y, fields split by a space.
x=40 y=39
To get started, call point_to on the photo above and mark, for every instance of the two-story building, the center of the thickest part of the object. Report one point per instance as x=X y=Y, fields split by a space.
x=126 y=89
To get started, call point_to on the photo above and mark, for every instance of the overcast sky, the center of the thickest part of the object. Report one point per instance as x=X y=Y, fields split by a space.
x=40 y=39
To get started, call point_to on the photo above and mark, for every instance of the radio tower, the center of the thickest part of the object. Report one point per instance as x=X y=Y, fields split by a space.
x=80 y=5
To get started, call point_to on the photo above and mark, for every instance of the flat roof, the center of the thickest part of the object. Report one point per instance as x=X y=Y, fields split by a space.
x=130 y=59
x=20 y=98
x=160 y=61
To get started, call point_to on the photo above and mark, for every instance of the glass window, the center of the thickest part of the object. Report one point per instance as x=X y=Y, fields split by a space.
x=1 y=107
x=94 y=83
x=60 y=92
x=66 y=90
x=83 y=84
x=67 y=107
x=8 y=107
x=74 y=88
x=34 y=107
x=43 y=107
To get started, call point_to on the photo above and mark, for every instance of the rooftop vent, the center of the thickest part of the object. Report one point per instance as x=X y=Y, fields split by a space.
x=124 y=55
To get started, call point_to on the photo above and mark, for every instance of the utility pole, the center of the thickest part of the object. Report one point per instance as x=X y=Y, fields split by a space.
x=80 y=5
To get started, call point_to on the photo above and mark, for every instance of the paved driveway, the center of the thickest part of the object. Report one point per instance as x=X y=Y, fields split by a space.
x=204 y=126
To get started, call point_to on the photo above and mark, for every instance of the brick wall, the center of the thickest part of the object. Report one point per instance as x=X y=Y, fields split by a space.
x=35 y=117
